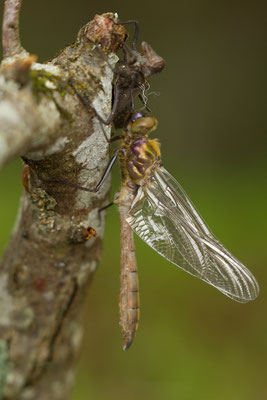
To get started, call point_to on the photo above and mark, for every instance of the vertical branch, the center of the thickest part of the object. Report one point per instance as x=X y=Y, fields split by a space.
x=11 y=39
x=56 y=243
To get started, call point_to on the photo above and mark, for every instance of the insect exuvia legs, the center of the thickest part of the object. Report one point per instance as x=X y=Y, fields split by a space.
x=88 y=105
x=136 y=32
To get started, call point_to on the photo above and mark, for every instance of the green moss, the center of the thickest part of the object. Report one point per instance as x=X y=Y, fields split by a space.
x=43 y=82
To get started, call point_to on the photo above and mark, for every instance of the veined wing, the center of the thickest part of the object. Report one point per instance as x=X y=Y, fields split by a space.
x=164 y=217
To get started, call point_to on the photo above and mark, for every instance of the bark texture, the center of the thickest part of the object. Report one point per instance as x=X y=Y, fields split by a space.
x=56 y=242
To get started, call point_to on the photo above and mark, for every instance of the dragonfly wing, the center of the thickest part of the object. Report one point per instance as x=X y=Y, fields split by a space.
x=164 y=217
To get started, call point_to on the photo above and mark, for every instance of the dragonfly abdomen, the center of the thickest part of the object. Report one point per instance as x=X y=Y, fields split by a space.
x=129 y=286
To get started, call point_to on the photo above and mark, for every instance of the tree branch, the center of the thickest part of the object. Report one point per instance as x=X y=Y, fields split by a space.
x=11 y=39
x=56 y=242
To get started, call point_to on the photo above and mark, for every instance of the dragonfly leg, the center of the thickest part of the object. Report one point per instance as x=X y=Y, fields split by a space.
x=102 y=209
x=114 y=138
x=100 y=183
x=105 y=207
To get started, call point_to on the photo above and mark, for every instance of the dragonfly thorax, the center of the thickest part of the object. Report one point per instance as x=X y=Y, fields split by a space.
x=139 y=152
x=141 y=155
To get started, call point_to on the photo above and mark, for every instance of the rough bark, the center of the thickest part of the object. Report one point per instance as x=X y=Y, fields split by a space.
x=56 y=242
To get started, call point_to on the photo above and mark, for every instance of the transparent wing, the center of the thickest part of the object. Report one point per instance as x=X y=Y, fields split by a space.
x=163 y=216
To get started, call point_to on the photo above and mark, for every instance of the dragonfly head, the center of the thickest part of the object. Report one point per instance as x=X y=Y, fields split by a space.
x=142 y=123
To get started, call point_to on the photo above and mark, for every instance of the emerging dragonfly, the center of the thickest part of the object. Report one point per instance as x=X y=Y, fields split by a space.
x=153 y=205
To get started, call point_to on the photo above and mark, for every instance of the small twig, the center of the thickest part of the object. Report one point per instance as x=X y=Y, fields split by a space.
x=11 y=39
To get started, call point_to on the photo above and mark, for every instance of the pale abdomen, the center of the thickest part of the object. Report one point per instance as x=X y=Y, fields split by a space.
x=129 y=286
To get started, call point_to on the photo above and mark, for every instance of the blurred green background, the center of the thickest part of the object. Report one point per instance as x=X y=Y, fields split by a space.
x=192 y=342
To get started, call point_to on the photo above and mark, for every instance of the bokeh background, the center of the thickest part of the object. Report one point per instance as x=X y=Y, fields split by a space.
x=192 y=342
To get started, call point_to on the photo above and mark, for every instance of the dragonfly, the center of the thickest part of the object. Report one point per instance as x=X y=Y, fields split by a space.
x=152 y=204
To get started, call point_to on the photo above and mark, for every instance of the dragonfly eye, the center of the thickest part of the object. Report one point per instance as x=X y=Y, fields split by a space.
x=137 y=115
x=143 y=125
